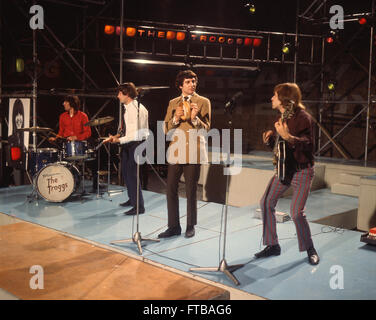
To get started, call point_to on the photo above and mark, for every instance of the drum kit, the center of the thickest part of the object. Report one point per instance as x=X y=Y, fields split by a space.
x=54 y=171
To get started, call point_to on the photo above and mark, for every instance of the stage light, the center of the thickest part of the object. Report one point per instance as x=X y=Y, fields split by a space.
x=108 y=29
x=248 y=41
x=180 y=36
x=330 y=38
x=250 y=7
x=118 y=29
x=331 y=86
x=366 y=20
x=256 y=42
x=286 y=48
x=20 y=65
x=362 y=20
x=130 y=32
x=170 y=35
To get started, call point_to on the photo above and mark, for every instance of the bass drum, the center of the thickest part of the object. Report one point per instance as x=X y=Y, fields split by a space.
x=57 y=181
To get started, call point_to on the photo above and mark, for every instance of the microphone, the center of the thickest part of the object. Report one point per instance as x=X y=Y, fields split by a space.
x=233 y=99
x=141 y=91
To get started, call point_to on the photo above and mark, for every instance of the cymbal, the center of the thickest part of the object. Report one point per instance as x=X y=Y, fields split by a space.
x=99 y=121
x=35 y=129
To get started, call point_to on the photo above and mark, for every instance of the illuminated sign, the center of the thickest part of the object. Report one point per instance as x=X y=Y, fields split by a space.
x=202 y=37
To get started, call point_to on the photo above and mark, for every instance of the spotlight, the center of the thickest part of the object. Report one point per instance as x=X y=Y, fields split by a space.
x=170 y=35
x=256 y=42
x=20 y=65
x=366 y=20
x=250 y=7
x=362 y=20
x=108 y=29
x=180 y=36
x=130 y=31
x=118 y=30
x=286 y=48
x=330 y=38
x=331 y=86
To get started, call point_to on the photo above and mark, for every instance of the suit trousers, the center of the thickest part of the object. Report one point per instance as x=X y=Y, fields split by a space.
x=191 y=176
x=129 y=173
x=301 y=184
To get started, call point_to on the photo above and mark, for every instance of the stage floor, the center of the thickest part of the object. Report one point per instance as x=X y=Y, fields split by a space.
x=346 y=271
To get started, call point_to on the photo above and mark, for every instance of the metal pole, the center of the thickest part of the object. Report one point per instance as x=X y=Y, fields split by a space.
x=35 y=84
x=369 y=84
x=296 y=40
x=1 y=119
x=321 y=106
x=84 y=58
x=121 y=71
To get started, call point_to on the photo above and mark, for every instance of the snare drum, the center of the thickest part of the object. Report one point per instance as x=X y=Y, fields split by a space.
x=75 y=150
x=57 y=181
x=40 y=158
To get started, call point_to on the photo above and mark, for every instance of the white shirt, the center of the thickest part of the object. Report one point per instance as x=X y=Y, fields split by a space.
x=134 y=132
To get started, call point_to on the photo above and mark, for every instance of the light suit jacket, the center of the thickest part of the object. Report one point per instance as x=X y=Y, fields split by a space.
x=194 y=152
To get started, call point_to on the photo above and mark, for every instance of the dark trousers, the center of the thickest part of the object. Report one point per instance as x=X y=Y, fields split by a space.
x=191 y=176
x=301 y=184
x=129 y=173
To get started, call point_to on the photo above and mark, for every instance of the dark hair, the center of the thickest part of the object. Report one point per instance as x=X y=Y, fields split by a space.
x=18 y=108
x=73 y=101
x=288 y=92
x=186 y=74
x=128 y=88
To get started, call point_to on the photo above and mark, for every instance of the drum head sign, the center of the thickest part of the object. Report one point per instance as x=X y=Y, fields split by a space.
x=57 y=181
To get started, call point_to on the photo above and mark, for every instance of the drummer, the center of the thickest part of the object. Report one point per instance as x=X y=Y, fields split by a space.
x=72 y=121
x=72 y=127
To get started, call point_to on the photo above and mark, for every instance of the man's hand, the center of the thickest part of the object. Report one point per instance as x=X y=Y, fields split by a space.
x=179 y=112
x=112 y=139
x=194 y=111
x=282 y=129
x=266 y=136
x=72 y=138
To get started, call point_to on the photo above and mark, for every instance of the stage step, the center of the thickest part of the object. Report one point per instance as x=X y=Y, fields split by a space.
x=346 y=189
x=348 y=178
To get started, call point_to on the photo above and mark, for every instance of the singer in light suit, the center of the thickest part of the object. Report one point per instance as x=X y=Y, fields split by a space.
x=189 y=113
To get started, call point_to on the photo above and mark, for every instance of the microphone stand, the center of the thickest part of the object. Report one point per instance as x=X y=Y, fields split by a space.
x=223 y=266
x=137 y=238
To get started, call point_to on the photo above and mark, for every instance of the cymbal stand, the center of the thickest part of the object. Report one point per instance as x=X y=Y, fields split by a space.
x=99 y=194
x=98 y=167
x=34 y=193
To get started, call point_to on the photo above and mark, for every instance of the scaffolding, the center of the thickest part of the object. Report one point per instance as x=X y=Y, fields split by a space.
x=308 y=50
x=317 y=13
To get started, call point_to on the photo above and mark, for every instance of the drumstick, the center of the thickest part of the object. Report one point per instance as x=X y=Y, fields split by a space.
x=57 y=136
